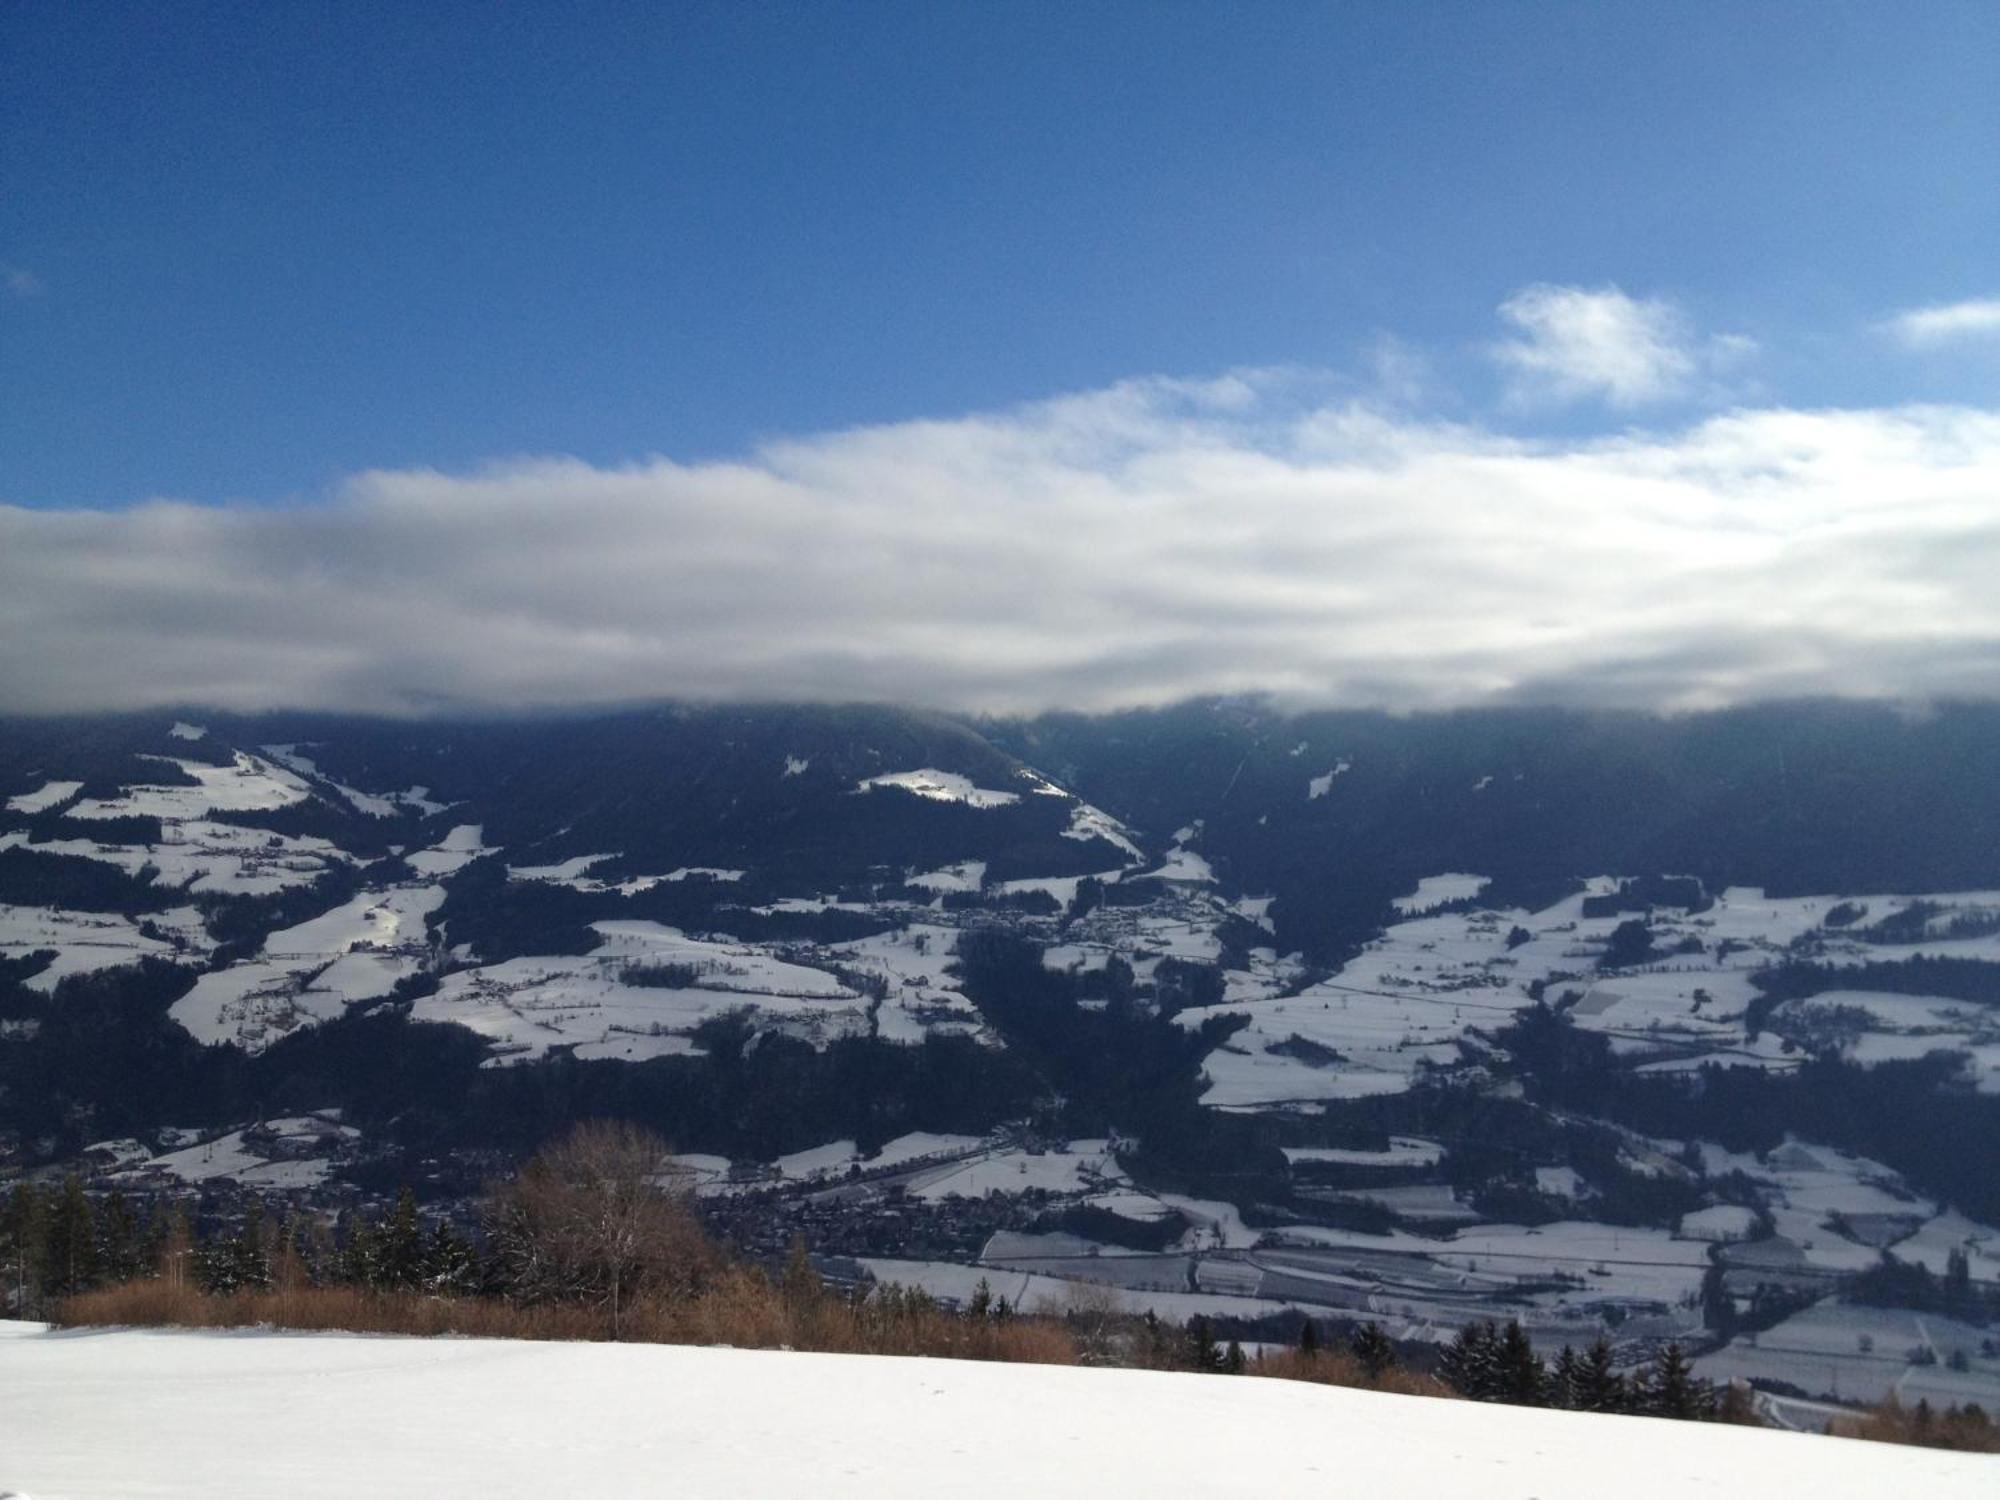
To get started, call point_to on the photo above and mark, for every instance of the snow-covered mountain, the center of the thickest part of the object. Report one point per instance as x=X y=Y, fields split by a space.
x=1659 y=1029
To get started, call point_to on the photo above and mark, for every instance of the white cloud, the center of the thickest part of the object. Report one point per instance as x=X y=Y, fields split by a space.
x=1582 y=344
x=1927 y=327
x=1131 y=545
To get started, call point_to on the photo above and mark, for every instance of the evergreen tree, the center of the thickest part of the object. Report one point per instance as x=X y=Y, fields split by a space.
x=1565 y=1380
x=1521 y=1376
x=23 y=1249
x=1372 y=1350
x=1718 y=1310
x=72 y=1242
x=1203 y=1353
x=399 y=1245
x=1309 y=1339
x=240 y=1262
x=1597 y=1385
x=1671 y=1388
x=981 y=1301
x=1470 y=1363
x=361 y=1252
x=1957 y=1290
x=1157 y=1346
x=121 y=1247
x=451 y=1268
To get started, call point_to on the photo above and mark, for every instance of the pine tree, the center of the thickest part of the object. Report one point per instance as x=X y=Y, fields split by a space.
x=361 y=1257
x=1232 y=1359
x=1521 y=1376
x=400 y=1245
x=450 y=1267
x=1718 y=1309
x=1598 y=1385
x=1671 y=1388
x=1372 y=1350
x=1470 y=1365
x=119 y=1253
x=1309 y=1339
x=72 y=1242
x=1565 y=1380
x=1957 y=1290
x=1202 y=1351
x=24 y=1246
x=241 y=1262
x=981 y=1302
x=1159 y=1353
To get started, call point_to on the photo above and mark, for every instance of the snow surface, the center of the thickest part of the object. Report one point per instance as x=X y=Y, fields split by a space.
x=452 y=853
x=529 y=1005
x=921 y=1145
x=966 y=876
x=247 y=784
x=572 y=873
x=1183 y=866
x=1087 y=823
x=198 y=855
x=370 y=804
x=1320 y=786
x=244 y=1416
x=829 y=1160
x=941 y=786
x=230 y=1156
x=50 y=793
x=87 y=943
x=312 y=972
x=1402 y=1151
x=1079 y=1166
x=1435 y=890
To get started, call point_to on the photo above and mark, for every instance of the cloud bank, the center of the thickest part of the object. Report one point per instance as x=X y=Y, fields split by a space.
x=1133 y=545
x=1946 y=323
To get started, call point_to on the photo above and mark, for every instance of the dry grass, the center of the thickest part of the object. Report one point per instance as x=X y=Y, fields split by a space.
x=1964 y=1429
x=1337 y=1367
x=158 y=1303
x=741 y=1307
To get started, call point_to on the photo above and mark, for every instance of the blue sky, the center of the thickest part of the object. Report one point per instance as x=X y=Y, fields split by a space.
x=998 y=356
x=253 y=249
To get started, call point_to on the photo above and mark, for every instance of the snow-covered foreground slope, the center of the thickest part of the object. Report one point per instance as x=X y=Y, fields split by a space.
x=224 y=1415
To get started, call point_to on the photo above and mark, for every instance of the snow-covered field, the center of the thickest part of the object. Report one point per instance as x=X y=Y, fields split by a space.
x=245 y=1416
x=247 y=784
x=1428 y=983
x=528 y=1005
x=312 y=972
x=85 y=941
x=941 y=786
x=1865 y=1353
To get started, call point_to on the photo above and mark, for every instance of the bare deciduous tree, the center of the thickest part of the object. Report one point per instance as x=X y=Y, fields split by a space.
x=604 y=1215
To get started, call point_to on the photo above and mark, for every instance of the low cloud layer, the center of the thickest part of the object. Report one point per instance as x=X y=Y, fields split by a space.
x=1132 y=545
